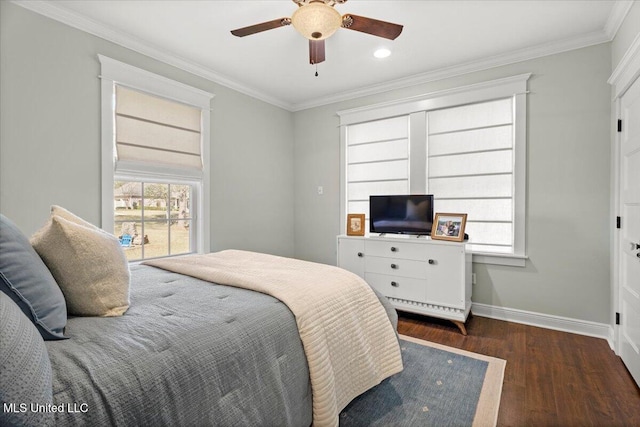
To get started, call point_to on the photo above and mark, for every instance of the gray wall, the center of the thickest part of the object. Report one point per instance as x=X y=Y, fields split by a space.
x=263 y=182
x=50 y=137
x=568 y=220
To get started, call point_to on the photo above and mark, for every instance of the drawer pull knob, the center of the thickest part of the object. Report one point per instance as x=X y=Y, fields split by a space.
x=394 y=249
x=394 y=284
x=394 y=266
x=360 y=254
x=432 y=261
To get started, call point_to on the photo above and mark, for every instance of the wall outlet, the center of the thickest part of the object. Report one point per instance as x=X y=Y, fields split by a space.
x=473 y=278
x=320 y=190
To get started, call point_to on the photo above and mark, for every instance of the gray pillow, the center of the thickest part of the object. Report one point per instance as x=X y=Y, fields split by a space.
x=25 y=370
x=29 y=283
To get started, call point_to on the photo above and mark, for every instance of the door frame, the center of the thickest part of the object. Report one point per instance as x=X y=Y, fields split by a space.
x=625 y=74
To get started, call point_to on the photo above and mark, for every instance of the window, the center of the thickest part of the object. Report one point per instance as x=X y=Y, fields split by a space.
x=377 y=162
x=465 y=146
x=155 y=162
x=470 y=170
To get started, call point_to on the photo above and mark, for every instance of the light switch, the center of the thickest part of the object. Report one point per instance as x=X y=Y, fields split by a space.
x=320 y=190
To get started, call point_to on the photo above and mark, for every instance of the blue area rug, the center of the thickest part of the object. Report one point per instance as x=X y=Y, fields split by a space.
x=439 y=386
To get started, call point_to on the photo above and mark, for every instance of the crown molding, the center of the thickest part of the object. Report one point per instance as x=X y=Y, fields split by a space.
x=628 y=70
x=618 y=13
x=561 y=46
x=506 y=86
x=58 y=13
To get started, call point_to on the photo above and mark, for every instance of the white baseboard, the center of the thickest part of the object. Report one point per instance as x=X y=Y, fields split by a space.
x=558 y=323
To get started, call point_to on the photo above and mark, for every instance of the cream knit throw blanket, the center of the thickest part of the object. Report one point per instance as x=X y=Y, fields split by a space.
x=348 y=339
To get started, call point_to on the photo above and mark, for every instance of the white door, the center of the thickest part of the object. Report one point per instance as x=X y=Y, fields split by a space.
x=629 y=250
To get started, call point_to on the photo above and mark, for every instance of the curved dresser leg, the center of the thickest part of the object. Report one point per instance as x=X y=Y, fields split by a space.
x=461 y=326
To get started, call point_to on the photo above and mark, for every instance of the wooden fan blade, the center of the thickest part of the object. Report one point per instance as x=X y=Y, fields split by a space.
x=316 y=51
x=258 y=28
x=371 y=26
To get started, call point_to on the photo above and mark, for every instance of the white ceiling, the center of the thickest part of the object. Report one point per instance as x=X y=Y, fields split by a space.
x=440 y=38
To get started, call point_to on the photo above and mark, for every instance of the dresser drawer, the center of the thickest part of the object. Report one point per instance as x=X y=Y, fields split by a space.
x=396 y=267
x=398 y=287
x=381 y=248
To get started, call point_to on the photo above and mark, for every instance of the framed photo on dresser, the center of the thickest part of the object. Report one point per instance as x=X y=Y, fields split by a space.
x=449 y=226
x=355 y=225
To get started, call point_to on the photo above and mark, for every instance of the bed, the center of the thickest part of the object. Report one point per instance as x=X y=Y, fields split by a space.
x=186 y=352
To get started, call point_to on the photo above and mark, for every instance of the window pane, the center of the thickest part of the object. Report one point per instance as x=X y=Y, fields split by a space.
x=156 y=109
x=156 y=239
x=396 y=149
x=398 y=169
x=490 y=233
x=493 y=138
x=380 y=130
x=359 y=207
x=127 y=199
x=180 y=201
x=128 y=217
x=472 y=187
x=478 y=209
x=471 y=116
x=362 y=190
x=491 y=249
x=180 y=238
x=180 y=219
x=135 y=153
x=155 y=201
x=153 y=136
x=472 y=164
x=128 y=232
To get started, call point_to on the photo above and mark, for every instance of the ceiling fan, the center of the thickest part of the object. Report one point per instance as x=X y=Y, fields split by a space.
x=318 y=19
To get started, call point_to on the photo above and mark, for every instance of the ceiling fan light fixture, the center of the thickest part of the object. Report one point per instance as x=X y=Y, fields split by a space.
x=316 y=20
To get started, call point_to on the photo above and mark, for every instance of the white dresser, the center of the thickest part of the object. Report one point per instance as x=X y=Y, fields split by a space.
x=416 y=274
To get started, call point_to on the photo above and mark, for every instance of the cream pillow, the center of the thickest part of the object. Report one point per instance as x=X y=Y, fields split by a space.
x=87 y=262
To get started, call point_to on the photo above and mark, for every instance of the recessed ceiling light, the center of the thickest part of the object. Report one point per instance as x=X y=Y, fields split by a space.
x=382 y=53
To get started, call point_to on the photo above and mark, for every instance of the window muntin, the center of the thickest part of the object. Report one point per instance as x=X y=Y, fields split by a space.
x=153 y=219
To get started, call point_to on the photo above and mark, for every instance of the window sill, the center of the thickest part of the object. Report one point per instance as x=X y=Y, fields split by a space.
x=500 y=259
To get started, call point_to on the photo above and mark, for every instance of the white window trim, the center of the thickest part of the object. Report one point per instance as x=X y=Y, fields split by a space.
x=515 y=86
x=116 y=72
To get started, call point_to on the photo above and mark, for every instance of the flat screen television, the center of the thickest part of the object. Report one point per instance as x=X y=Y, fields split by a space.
x=401 y=214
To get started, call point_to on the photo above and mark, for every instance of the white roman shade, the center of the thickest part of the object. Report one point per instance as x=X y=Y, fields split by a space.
x=466 y=146
x=158 y=131
x=471 y=169
x=377 y=161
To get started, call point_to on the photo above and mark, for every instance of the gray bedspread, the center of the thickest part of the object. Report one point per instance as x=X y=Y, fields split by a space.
x=186 y=353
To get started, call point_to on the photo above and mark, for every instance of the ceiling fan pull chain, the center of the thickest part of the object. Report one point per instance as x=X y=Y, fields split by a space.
x=316 y=70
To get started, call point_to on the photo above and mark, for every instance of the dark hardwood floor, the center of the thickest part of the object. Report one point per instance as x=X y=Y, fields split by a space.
x=551 y=379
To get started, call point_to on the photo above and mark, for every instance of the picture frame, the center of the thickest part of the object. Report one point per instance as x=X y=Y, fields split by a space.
x=355 y=224
x=449 y=226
